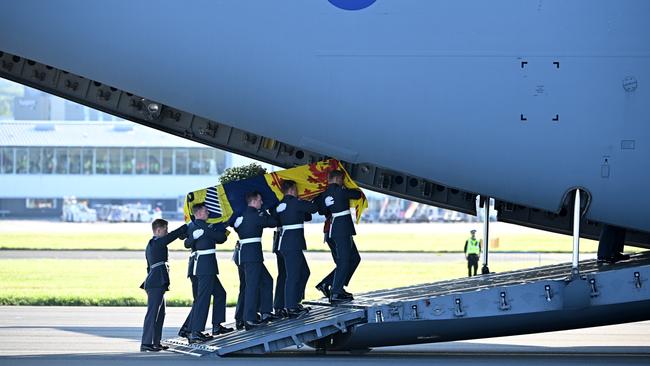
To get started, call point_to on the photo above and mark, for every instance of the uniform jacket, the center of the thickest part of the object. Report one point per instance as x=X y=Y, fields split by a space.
x=213 y=234
x=290 y=211
x=156 y=252
x=250 y=224
x=337 y=199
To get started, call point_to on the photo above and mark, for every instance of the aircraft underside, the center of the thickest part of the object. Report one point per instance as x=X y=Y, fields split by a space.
x=553 y=105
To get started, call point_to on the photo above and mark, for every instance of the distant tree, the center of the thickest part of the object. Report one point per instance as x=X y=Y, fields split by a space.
x=241 y=172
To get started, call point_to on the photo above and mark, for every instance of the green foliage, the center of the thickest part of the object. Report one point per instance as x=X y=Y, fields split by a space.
x=241 y=172
x=371 y=238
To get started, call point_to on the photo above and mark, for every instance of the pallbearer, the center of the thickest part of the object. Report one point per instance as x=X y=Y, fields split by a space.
x=335 y=203
x=292 y=213
x=258 y=293
x=205 y=269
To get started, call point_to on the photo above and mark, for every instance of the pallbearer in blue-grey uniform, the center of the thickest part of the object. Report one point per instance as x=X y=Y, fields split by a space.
x=259 y=283
x=291 y=213
x=205 y=269
x=335 y=202
x=157 y=283
x=195 y=233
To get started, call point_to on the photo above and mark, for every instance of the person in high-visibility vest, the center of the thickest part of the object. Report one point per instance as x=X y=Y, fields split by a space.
x=472 y=251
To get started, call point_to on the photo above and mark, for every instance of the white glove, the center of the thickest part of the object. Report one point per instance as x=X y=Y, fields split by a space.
x=197 y=234
x=329 y=200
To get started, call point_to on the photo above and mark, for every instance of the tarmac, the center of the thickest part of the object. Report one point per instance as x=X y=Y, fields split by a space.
x=105 y=335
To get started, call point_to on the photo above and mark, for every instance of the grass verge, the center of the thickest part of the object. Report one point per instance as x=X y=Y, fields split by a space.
x=115 y=282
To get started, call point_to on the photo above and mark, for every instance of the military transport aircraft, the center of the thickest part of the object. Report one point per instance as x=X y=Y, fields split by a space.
x=437 y=101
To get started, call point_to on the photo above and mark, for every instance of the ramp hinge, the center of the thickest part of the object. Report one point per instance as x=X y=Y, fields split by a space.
x=414 y=312
x=341 y=327
x=547 y=293
x=503 y=302
x=637 y=279
x=593 y=287
x=379 y=316
x=458 y=311
x=296 y=341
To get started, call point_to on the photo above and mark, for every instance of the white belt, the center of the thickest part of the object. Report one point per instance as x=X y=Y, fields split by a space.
x=250 y=240
x=246 y=241
x=193 y=254
x=288 y=227
x=198 y=254
x=342 y=213
x=163 y=263
x=334 y=216
x=293 y=227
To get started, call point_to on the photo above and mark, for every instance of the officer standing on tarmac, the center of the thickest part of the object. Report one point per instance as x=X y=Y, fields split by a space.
x=291 y=213
x=157 y=283
x=472 y=251
x=205 y=269
x=259 y=283
x=335 y=202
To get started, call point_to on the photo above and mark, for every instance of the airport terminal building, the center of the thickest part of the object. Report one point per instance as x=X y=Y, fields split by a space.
x=99 y=162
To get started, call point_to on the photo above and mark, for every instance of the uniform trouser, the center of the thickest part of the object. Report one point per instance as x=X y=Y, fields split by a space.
x=611 y=241
x=297 y=273
x=472 y=262
x=239 y=309
x=155 y=317
x=259 y=290
x=347 y=260
x=188 y=320
x=208 y=286
x=280 y=283
x=355 y=259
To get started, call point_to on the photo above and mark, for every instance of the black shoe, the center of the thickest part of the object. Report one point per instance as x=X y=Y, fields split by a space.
x=184 y=332
x=620 y=257
x=198 y=337
x=250 y=325
x=325 y=290
x=347 y=295
x=300 y=306
x=281 y=313
x=297 y=313
x=206 y=337
x=239 y=324
x=269 y=317
x=220 y=329
x=161 y=347
x=339 y=298
x=148 y=348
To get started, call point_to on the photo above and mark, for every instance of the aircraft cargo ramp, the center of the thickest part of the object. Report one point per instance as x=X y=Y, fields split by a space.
x=518 y=302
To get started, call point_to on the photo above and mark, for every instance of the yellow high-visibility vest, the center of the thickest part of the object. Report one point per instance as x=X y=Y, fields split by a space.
x=473 y=246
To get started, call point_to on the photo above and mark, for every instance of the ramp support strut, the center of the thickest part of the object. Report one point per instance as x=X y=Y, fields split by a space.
x=486 y=235
x=575 y=271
